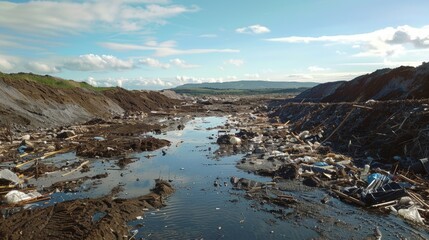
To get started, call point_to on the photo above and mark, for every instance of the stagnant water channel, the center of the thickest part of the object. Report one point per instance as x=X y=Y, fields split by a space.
x=200 y=210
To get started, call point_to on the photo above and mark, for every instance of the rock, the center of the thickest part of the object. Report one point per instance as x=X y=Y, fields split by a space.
x=405 y=201
x=260 y=150
x=66 y=134
x=289 y=171
x=234 y=180
x=235 y=140
x=224 y=139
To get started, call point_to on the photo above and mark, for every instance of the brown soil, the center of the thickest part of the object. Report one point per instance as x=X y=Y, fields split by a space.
x=75 y=219
x=118 y=147
x=144 y=101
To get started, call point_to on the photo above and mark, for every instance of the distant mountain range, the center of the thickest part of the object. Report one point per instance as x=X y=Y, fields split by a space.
x=384 y=84
x=248 y=85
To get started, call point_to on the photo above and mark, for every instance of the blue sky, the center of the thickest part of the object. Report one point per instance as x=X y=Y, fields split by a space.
x=157 y=44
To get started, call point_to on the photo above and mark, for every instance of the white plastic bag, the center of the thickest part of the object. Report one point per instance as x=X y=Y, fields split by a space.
x=15 y=196
x=411 y=214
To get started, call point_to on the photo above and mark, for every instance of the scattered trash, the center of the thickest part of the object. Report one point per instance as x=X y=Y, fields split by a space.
x=411 y=214
x=15 y=196
x=8 y=177
x=99 y=138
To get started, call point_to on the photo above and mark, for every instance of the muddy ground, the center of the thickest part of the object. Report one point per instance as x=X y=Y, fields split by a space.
x=273 y=140
x=23 y=151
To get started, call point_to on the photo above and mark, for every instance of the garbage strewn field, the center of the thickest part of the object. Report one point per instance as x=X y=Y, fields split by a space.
x=371 y=155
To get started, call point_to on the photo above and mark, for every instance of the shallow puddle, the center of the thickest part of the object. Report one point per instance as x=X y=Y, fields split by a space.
x=200 y=210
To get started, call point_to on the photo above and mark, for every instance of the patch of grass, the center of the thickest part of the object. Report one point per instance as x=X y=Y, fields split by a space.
x=51 y=81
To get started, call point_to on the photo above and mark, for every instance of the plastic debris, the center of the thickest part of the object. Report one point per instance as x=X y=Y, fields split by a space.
x=411 y=214
x=16 y=196
x=9 y=176
x=99 y=138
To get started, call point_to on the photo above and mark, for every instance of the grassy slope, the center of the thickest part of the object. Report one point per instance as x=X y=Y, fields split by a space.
x=51 y=81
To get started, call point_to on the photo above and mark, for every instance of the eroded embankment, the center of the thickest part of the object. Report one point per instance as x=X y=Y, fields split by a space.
x=28 y=103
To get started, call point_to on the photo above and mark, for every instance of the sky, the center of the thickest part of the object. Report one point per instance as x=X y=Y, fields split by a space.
x=159 y=44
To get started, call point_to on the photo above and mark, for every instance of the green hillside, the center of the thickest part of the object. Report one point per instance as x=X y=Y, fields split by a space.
x=50 y=81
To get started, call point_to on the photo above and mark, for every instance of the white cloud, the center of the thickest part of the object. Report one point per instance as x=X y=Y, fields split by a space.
x=300 y=76
x=93 y=62
x=39 y=67
x=317 y=69
x=383 y=42
x=208 y=36
x=151 y=62
x=7 y=63
x=253 y=29
x=182 y=63
x=252 y=76
x=235 y=62
x=120 y=81
x=180 y=80
x=162 y=49
x=56 y=17
x=92 y=81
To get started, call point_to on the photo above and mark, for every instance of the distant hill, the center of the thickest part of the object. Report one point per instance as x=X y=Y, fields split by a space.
x=244 y=88
x=249 y=84
x=384 y=84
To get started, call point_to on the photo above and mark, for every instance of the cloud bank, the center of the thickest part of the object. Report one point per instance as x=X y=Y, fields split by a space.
x=383 y=42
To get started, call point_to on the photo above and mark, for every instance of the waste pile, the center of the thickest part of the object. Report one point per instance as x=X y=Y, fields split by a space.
x=275 y=150
x=393 y=132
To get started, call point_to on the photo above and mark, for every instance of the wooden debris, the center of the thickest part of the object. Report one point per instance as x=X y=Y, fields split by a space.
x=402 y=177
x=360 y=106
x=385 y=204
x=49 y=154
x=349 y=198
x=76 y=169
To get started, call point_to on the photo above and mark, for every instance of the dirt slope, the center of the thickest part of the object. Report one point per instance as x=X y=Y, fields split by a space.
x=145 y=101
x=320 y=91
x=29 y=103
x=384 y=84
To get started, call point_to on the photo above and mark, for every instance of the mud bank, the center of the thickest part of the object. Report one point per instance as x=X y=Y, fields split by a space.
x=102 y=218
